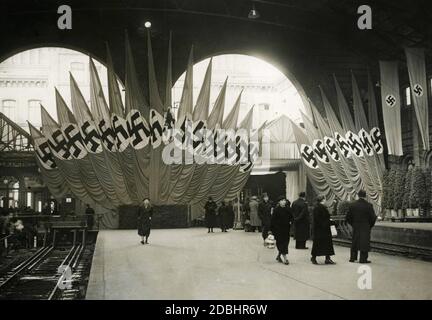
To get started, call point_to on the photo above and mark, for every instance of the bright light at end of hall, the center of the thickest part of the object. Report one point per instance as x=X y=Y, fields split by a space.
x=147 y=24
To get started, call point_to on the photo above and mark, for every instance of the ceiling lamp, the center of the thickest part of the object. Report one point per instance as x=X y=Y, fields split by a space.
x=253 y=14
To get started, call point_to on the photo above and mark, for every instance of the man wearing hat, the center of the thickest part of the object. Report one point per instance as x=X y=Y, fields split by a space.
x=301 y=221
x=361 y=216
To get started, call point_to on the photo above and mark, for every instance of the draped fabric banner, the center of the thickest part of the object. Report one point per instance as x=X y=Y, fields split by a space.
x=374 y=124
x=362 y=156
x=136 y=109
x=338 y=134
x=362 y=127
x=113 y=156
x=53 y=178
x=245 y=170
x=417 y=75
x=324 y=162
x=79 y=169
x=334 y=154
x=391 y=105
x=310 y=161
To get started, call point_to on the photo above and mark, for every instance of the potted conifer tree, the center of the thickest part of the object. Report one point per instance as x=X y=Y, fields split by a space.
x=391 y=189
x=406 y=205
x=386 y=194
x=398 y=192
x=428 y=190
x=417 y=194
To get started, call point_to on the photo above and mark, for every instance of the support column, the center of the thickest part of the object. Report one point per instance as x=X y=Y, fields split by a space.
x=295 y=182
x=416 y=139
x=291 y=185
x=22 y=195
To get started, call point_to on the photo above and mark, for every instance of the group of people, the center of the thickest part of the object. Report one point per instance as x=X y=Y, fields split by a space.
x=20 y=235
x=275 y=220
x=222 y=216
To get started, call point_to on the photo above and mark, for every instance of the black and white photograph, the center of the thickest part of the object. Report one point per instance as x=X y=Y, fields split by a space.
x=215 y=151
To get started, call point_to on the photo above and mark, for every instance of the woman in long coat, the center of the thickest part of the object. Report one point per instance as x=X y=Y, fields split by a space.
x=231 y=215
x=145 y=213
x=255 y=221
x=210 y=214
x=224 y=216
x=280 y=226
x=322 y=238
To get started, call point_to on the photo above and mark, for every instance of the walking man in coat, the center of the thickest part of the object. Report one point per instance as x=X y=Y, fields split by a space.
x=90 y=213
x=361 y=216
x=264 y=212
x=301 y=221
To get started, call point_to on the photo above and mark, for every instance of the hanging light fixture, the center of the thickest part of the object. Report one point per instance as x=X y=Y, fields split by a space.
x=253 y=14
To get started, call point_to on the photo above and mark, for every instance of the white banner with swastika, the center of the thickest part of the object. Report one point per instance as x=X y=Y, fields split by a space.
x=391 y=105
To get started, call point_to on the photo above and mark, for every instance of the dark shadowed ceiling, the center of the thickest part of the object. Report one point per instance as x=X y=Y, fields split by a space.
x=308 y=40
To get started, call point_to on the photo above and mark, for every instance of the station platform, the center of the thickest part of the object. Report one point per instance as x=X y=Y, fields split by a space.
x=406 y=225
x=414 y=236
x=193 y=264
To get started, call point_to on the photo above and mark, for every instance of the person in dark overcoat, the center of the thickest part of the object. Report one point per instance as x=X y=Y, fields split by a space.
x=361 y=216
x=90 y=213
x=210 y=214
x=301 y=221
x=224 y=216
x=145 y=213
x=280 y=226
x=265 y=213
x=255 y=221
x=322 y=239
x=231 y=215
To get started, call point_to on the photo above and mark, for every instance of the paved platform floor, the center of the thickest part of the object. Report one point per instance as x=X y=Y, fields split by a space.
x=192 y=264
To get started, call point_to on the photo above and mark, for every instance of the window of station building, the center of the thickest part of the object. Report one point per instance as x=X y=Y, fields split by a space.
x=8 y=108
x=77 y=66
x=264 y=106
x=264 y=87
x=34 y=113
x=45 y=68
x=430 y=81
x=407 y=96
x=78 y=71
x=29 y=199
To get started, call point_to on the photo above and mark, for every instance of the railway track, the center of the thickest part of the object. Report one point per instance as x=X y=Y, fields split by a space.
x=50 y=273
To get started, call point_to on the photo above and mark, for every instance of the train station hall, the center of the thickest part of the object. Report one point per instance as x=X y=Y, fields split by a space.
x=229 y=150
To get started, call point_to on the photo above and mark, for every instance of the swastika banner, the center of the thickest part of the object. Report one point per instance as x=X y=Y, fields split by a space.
x=391 y=105
x=417 y=75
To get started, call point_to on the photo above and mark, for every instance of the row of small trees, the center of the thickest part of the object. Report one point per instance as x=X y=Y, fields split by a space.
x=407 y=189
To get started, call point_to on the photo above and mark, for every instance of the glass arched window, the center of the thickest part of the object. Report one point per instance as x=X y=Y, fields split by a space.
x=407 y=96
x=8 y=108
x=78 y=71
x=77 y=66
x=34 y=115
